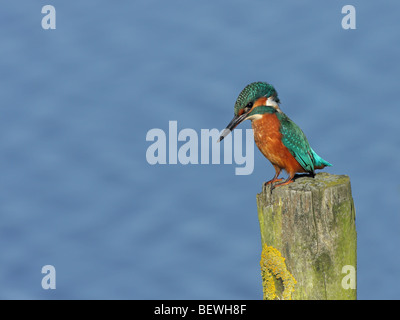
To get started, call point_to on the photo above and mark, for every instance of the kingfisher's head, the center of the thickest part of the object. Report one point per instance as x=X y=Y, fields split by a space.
x=254 y=95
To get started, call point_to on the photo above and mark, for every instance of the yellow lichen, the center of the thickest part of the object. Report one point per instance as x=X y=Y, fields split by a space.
x=273 y=267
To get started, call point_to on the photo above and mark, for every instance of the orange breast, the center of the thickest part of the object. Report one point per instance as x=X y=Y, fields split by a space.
x=269 y=140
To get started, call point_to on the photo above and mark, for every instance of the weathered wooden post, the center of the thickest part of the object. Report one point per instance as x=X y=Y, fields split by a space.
x=309 y=239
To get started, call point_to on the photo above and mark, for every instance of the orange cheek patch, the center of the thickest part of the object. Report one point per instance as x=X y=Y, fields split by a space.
x=260 y=102
x=241 y=112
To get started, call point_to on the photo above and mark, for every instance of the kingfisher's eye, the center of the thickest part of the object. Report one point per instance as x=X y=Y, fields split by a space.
x=248 y=107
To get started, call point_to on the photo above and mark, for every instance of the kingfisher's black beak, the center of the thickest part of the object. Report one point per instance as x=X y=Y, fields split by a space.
x=232 y=125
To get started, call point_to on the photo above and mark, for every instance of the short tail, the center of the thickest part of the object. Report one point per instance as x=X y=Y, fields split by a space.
x=319 y=163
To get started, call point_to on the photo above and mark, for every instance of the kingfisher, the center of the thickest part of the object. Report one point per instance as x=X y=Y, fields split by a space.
x=278 y=138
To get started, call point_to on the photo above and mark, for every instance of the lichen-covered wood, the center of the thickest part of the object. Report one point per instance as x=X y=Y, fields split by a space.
x=278 y=283
x=311 y=222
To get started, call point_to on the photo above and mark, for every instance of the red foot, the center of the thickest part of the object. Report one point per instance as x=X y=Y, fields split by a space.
x=272 y=181
x=283 y=183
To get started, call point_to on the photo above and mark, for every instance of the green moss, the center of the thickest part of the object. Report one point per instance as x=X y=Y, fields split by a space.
x=270 y=219
x=346 y=244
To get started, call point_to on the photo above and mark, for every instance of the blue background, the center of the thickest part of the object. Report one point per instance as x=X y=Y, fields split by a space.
x=77 y=102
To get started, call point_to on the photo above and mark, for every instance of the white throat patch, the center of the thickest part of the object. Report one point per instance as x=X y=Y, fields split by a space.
x=254 y=117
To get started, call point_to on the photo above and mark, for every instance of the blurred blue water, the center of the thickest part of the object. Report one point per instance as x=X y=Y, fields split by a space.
x=77 y=192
